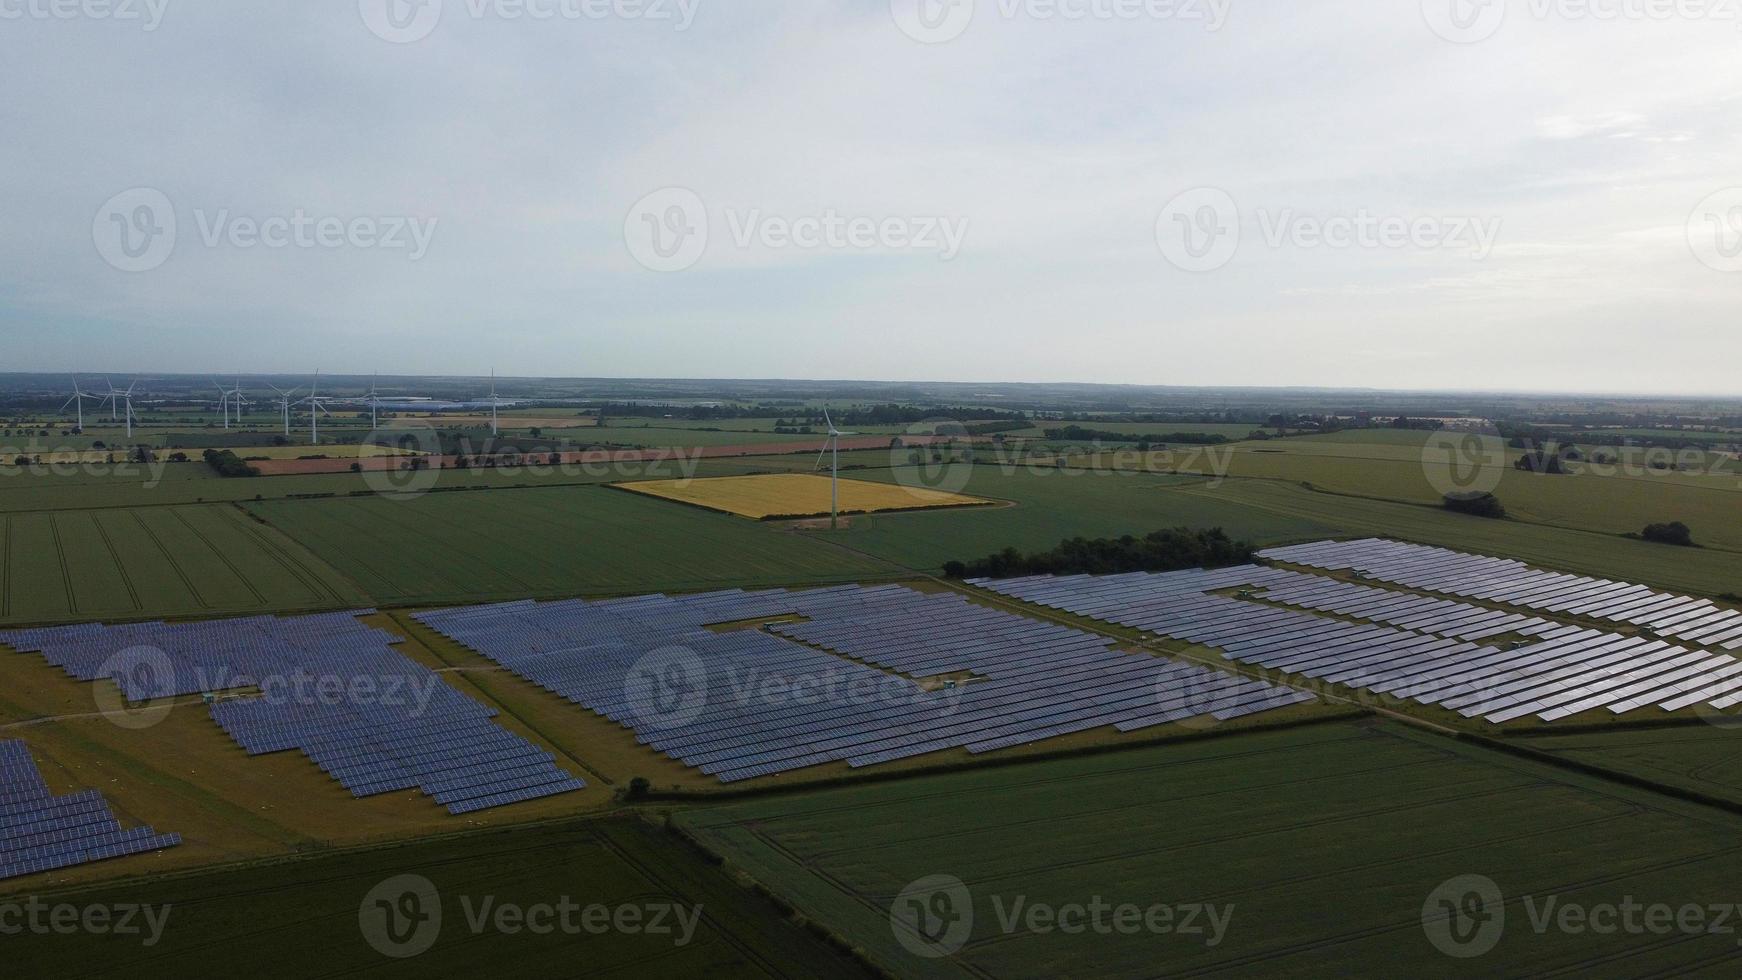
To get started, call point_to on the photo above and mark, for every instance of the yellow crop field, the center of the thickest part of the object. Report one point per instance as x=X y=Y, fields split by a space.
x=797 y=495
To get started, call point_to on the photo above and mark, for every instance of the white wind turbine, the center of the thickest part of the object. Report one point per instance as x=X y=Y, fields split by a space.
x=494 y=402
x=315 y=407
x=833 y=445
x=284 y=403
x=237 y=399
x=114 y=400
x=223 y=401
x=374 y=402
x=126 y=398
x=79 y=396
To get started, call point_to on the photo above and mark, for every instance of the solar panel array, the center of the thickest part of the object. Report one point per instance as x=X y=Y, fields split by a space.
x=1414 y=647
x=43 y=832
x=328 y=686
x=842 y=685
x=1513 y=583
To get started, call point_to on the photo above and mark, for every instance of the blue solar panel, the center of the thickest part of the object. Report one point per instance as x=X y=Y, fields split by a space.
x=42 y=832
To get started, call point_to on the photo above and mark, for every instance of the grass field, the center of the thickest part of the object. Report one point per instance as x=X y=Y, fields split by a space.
x=156 y=561
x=558 y=541
x=1581 y=552
x=798 y=495
x=1321 y=845
x=1701 y=757
x=278 y=918
x=1052 y=506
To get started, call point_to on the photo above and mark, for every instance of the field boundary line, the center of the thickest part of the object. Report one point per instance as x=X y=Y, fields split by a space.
x=316 y=586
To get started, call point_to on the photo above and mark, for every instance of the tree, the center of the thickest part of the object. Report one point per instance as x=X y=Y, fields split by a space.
x=1674 y=533
x=1475 y=504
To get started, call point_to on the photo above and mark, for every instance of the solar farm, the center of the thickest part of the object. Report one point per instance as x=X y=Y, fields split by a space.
x=843 y=684
x=687 y=679
x=1418 y=647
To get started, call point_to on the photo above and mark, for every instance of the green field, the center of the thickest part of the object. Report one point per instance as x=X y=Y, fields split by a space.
x=558 y=541
x=1326 y=842
x=281 y=919
x=156 y=561
x=1052 y=506
x=1581 y=552
x=1700 y=758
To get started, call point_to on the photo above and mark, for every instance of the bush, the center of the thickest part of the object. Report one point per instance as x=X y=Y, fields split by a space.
x=1675 y=533
x=1159 y=551
x=1476 y=505
x=228 y=464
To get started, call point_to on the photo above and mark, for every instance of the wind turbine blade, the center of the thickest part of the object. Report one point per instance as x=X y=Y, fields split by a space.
x=827 y=419
x=822 y=456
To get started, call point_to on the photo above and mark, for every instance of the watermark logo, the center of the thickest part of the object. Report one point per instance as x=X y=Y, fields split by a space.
x=36 y=917
x=1199 y=230
x=1463 y=462
x=1715 y=231
x=147 y=13
x=926 y=456
x=1195 y=696
x=667 y=688
x=145 y=684
x=933 y=21
x=403 y=477
x=1464 y=21
x=401 y=917
x=933 y=917
x=135 y=231
x=1465 y=917
x=401 y=21
x=667 y=231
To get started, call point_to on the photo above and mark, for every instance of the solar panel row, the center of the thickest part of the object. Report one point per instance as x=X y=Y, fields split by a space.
x=1427 y=652
x=43 y=832
x=843 y=685
x=328 y=686
x=1513 y=583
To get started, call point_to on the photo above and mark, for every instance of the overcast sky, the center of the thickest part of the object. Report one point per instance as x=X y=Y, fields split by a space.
x=1316 y=192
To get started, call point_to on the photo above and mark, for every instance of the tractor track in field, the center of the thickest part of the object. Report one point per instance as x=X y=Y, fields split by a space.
x=66 y=574
x=120 y=568
x=175 y=566
x=218 y=552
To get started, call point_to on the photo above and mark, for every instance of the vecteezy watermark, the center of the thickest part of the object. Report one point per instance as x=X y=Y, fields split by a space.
x=1463 y=462
x=934 y=917
x=35 y=917
x=1465 y=917
x=1473 y=21
x=670 y=687
x=144 y=687
x=403 y=917
x=408 y=21
x=1715 y=230
x=939 y=21
x=1202 y=229
x=147 y=13
x=137 y=231
x=669 y=231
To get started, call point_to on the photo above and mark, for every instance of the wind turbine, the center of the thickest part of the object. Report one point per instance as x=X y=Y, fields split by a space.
x=284 y=402
x=126 y=398
x=833 y=445
x=315 y=408
x=79 y=396
x=113 y=400
x=374 y=402
x=236 y=397
x=224 y=402
x=494 y=401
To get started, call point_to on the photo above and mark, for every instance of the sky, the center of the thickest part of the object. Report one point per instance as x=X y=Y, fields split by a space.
x=1442 y=194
